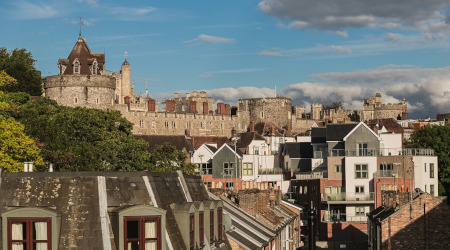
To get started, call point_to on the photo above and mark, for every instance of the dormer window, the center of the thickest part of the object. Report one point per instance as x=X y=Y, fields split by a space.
x=142 y=231
x=76 y=67
x=94 y=68
x=191 y=231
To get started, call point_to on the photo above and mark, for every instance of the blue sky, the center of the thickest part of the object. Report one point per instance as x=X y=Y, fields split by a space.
x=312 y=51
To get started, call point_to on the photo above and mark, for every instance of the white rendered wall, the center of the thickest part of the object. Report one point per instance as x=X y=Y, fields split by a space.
x=422 y=178
x=351 y=181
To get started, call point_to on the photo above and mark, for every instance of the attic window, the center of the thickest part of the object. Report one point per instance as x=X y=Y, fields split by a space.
x=76 y=67
x=142 y=232
x=94 y=68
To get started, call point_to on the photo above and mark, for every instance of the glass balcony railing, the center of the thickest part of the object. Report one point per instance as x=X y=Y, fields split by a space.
x=387 y=174
x=377 y=152
x=349 y=197
x=311 y=175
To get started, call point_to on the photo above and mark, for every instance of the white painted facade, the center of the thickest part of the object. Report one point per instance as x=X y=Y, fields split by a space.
x=391 y=144
x=423 y=179
x=202 y=154
x=258 y=147
x=350 y=179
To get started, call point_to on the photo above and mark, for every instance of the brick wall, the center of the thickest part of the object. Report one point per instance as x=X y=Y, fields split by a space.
x=426 y=226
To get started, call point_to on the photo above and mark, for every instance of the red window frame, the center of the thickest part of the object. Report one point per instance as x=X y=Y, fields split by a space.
x=142 y=238
x=191 y=231
x=211 y=226
x=219 y=223
x=28 y=241
x=201 y=227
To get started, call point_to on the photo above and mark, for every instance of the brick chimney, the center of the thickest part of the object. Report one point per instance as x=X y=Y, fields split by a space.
x=252 y=126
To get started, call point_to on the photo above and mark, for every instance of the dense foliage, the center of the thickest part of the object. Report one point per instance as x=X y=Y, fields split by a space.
x=81 y=139
x=166 y=158
x=19 y=64
x=437 y=138
x=15 y=146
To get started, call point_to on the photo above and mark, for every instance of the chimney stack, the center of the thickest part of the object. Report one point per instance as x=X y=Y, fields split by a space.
x=252 y=126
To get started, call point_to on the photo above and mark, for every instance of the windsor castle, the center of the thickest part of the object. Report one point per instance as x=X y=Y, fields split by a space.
x=83 y=80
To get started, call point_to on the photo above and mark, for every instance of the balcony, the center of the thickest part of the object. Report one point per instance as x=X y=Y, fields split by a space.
x=311 y=175
x=379 y=152
x=332 y=216
x=344 y=198
x=387 y=174
x=270 y=171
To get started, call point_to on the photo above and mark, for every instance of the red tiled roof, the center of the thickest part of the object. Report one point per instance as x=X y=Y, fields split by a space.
x=198 y=141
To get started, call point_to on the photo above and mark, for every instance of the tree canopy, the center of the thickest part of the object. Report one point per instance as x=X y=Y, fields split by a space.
x=15 y=146
x=19 y=64
x=81 y=139
x=437 y=138
x=166 y=158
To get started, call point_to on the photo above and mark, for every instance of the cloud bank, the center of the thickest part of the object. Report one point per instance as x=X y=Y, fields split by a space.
x=429 y=17
x=426 y=90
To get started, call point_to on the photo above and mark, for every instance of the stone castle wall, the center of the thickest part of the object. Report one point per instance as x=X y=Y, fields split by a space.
x=92 y=91
x=164 y=123
x=183 y=104
x=277 y=110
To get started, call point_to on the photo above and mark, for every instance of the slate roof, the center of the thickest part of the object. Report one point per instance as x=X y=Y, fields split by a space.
x=337 y=132
x=75 y=196
x=213 y=149
x=198 y=141
x=391 y=125
x=246 y=138
x=181 y=142
x=318 y=135
x=292 y=149
x=84 y=55
x=248 y=231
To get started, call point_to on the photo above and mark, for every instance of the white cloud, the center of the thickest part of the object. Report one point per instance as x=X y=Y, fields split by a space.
x=202 y=38
x=393 y=37
x=427 y=91
x=29 y=10
x=93 y=3
x=131 y=12
x=341 y=33
x=428 y=17
x=270 y=53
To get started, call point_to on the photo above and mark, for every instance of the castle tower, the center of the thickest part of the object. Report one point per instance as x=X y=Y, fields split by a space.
x=316 y=111
x=125 y=78
x=81 y=80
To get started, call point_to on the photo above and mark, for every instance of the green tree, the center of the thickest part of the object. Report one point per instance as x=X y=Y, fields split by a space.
x=81 y=139
x=166 y=158
x=437 y=138
x=15 y=146
x=19 y=64
x=6 y=81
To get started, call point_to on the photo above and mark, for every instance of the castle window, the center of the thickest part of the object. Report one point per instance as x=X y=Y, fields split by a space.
x=76 y=67
x=188 y=124
x=141 y=123
x=94 y=68
x=98 y=101
x=75 y=100
x=153 y=124
x=262 y=114
x=202 y=124
x=173 y=124
x=166 y=124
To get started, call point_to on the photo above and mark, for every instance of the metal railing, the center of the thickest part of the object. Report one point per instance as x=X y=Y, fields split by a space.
x=387 y=174
x=311 y=175
x=349 y=197
x=269 y=171
x=384 y=152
